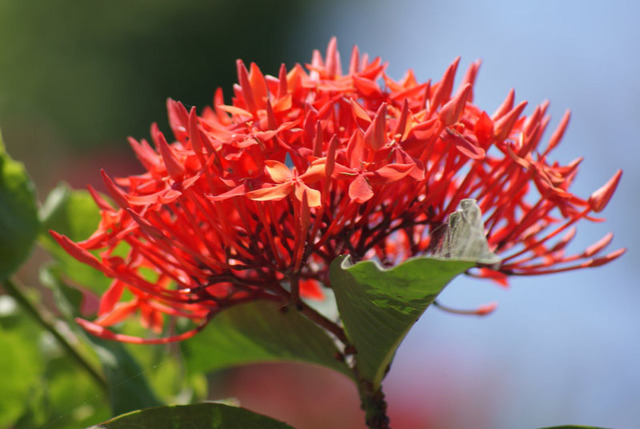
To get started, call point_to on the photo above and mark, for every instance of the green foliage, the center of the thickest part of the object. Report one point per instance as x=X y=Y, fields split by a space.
x=127 y=385
x=21 y=365
x=99 y=71
x=42 y=387
x=207 y=415
x=18 y=214
x=138 y=376
x=260 y=332
x=378 y=306
x=64 y=398
x=74 y=214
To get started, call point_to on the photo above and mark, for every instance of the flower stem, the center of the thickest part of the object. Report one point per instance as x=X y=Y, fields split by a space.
x=322 y=321
x=45 y=320
x=373 y=404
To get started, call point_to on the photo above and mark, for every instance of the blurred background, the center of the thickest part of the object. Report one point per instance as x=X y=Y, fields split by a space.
x=78 y=76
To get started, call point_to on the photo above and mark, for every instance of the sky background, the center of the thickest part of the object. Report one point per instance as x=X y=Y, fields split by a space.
x=562 y=348
x=77 y=77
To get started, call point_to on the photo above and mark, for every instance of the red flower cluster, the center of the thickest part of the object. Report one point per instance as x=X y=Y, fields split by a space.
x=254 y=199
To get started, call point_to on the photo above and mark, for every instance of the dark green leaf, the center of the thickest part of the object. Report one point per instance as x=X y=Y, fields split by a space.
x=207 y=415
x=378 y=306
x=18 y=214
x=260 y=332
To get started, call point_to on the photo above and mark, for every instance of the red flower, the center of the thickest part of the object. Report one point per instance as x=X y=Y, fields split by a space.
x=300 y=168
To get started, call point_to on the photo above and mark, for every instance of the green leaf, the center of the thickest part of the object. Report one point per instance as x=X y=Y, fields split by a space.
x=64 y=398
x=261 y=332
x=18 y=214
x=127 y=384
x=573 y=427
x=21 y=363
x=74 y=214
x=68 y=300
x=378 y=306
x=207 y=415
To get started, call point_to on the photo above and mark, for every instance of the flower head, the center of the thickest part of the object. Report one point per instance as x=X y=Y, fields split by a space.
x=254 y=199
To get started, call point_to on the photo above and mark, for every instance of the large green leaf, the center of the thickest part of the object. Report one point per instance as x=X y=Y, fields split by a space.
x=378 y=306
x=207 y=415
x=74 y=214
x=261 y=332
x=18 y=214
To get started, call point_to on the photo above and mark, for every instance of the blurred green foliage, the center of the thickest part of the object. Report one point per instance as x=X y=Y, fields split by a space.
x=92 y=72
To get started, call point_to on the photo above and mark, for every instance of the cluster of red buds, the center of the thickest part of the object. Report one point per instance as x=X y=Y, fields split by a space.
x=254 y=199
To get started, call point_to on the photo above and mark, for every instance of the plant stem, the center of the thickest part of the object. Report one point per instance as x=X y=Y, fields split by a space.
x=373 y=404
x=322 y=321
x=46 y=321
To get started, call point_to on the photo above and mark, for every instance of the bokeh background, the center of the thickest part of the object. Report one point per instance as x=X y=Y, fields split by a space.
x=78 y=76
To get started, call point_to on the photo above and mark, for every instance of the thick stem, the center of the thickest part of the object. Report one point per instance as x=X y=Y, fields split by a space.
x=373 y=404
x=45 y=320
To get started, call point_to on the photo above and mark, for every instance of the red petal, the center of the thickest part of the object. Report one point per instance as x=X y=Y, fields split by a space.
x=465 y=146
x=121 y=311
x=505 y=107
x=600 y=198
x=366 y=87
x=559 y=132
x=258 y=85
x=235 y=192
x=118 y=196
x=444 y=87
x=504 y=125
x=76 y=251
x=599 y=245
x=102 y=332
x=390 y=173
x=451 y=112
x=313 y=195
x=247 y=92
x=174 y=167
x=111 y=297
x=375 y=136
x=278 y=171
x=483 y=129
x=271 y=193
x=360 y=190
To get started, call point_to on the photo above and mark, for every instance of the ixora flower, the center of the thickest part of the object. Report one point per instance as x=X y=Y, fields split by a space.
x=254 y=199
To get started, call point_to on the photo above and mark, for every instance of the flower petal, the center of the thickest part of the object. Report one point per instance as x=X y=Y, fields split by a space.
x=278 y=171
x=271 y=193
x=359 y=190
